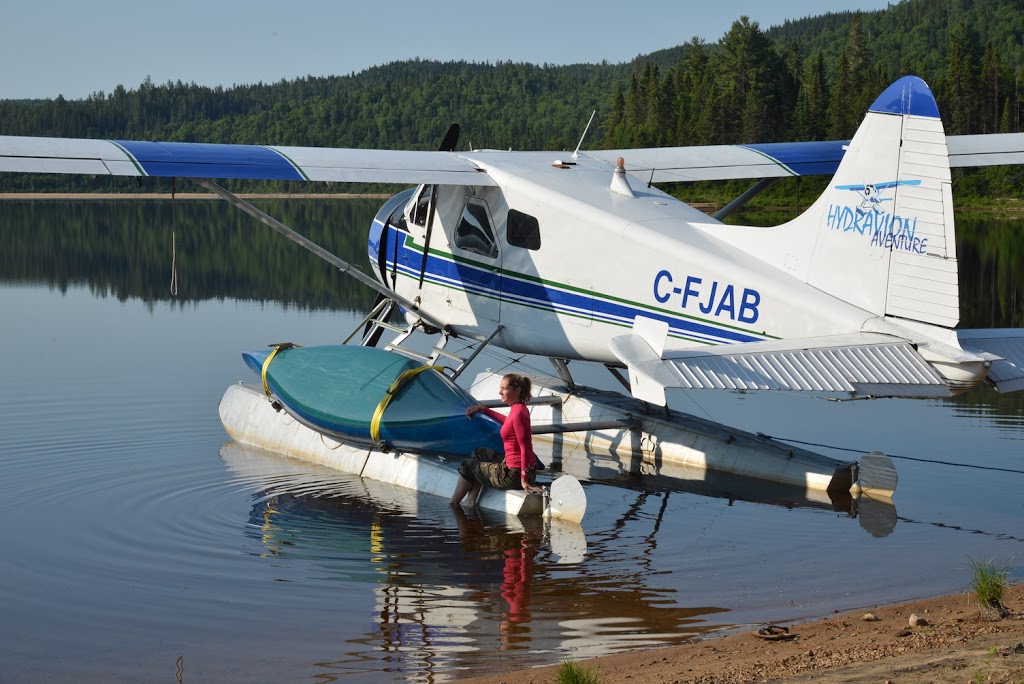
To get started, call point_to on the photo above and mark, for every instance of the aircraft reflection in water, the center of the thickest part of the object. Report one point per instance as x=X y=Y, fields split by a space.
x=449 y=588
x=877 y=516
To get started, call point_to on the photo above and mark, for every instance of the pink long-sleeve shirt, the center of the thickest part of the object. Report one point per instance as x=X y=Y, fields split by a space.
x=516 y=435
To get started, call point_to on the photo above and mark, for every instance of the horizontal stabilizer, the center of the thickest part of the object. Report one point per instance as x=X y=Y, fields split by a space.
x=1007 y=372
x=988 y=149
x=860 y=365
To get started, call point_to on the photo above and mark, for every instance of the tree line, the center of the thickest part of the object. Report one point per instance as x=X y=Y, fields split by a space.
x=208 y=248
x=808 y=79
x=814 y=79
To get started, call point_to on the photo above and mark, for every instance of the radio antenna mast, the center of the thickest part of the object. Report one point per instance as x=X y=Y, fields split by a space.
x=576 y=154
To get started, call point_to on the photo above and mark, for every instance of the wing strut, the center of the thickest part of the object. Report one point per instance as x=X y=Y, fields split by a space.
x=448 y=144
x=426 y=236
x=738 y=203
x=332 y=259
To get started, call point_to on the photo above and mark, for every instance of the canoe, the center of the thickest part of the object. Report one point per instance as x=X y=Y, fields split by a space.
x=337 y=390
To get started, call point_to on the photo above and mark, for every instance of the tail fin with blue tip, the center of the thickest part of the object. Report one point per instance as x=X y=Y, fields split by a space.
x=885 y=231
x=881 y=236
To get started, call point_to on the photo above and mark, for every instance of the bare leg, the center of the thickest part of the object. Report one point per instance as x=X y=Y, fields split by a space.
x=461 y=489
x=474 y=494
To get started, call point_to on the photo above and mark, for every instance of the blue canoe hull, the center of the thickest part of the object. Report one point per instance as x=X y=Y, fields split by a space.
x=336 y=390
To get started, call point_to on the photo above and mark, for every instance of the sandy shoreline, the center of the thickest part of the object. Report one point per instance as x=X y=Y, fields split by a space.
x=957 y=645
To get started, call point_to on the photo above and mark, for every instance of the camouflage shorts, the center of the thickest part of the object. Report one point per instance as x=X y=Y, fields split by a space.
x=488 y=467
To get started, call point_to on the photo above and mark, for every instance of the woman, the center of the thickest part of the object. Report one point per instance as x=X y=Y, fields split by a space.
x=518 y=469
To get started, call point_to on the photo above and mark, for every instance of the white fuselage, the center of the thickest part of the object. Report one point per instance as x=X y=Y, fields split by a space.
x=603 y=259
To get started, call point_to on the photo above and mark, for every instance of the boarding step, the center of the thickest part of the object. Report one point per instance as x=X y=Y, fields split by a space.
x=438 y=351
x=376 y=322
x=414 y=355
x=430 y=359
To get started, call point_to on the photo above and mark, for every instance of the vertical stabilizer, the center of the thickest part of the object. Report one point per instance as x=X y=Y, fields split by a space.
x=885 y=235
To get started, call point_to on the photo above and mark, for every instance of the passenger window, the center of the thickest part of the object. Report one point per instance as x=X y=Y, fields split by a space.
x=474 y=233
x=523 y=230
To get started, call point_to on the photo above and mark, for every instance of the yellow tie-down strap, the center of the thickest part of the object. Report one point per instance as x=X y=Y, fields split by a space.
x=389 y=394
x=266 y=364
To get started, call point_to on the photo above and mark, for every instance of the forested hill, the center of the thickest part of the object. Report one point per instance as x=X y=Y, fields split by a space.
x=807 y=79
x=399 y=105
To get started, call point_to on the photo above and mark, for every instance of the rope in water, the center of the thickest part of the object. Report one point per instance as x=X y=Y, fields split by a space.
x=905 y=458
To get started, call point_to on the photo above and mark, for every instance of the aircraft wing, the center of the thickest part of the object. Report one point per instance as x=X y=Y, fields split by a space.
x=657 y=165
x=722 y=162
x=778 y=160
x=201 y=160
x=858 y=365
x=1007 y=344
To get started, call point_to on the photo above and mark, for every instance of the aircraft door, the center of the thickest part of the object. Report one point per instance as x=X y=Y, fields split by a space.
x=417 y=262
x=474 y=285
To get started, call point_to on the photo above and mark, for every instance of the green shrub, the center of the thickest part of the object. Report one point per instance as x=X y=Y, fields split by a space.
x=988 y=581
x=571 y=672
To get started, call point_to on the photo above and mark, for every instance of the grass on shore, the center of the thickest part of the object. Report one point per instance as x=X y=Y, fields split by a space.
x=988 y=582
x=571 y=672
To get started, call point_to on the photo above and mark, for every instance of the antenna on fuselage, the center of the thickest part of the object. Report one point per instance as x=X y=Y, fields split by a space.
x=576 y=153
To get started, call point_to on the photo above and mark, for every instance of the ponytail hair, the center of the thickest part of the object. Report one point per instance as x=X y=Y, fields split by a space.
x=521 y=383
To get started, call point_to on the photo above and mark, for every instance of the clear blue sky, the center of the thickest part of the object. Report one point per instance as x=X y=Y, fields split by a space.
x=75 y=48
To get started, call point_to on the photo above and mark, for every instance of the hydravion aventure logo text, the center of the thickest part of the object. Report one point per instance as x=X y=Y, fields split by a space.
x=885 y=229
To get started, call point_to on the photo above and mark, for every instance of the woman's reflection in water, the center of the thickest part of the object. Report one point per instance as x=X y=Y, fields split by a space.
x=517 y=551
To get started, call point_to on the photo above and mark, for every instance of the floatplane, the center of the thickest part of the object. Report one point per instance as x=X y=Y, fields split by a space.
x=579 y=257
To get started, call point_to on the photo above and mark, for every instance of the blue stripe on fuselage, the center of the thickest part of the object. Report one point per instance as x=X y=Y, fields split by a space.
x=202 y=160
x=487 y=283
x=610 y=311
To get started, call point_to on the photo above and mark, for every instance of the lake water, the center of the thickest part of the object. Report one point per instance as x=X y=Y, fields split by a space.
x=141 y=545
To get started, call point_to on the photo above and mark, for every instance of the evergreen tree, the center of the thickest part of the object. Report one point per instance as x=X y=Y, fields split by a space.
x=750 y=72
x=850 y=92
x=810 y=119
x=960 y=87
x=991 y=89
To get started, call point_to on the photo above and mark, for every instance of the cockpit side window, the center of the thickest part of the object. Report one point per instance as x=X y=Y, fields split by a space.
x=397 y=218
x=523 y=230
x=474 y=232
x=421 y=209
